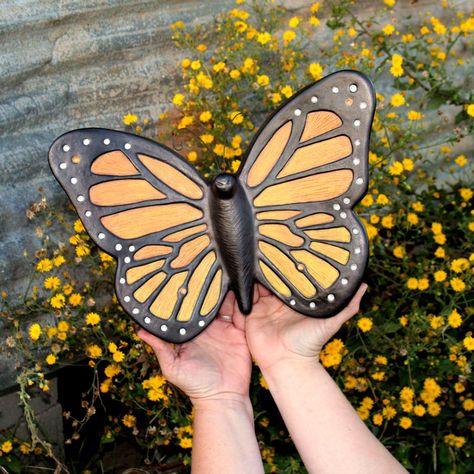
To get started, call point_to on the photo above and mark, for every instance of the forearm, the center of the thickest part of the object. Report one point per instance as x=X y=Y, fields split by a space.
x=328 y=433
x=224 y=437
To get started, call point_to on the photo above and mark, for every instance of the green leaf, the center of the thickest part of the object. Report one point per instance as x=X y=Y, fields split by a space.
x=435 y=102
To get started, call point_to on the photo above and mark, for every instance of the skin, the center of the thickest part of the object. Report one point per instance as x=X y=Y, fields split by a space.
x=214 y=371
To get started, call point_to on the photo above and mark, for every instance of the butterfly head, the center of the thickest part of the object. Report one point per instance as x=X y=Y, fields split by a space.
x=224 y=185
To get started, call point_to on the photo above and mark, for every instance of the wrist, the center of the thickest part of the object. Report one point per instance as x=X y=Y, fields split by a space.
x=222 y=402
x=288 y=368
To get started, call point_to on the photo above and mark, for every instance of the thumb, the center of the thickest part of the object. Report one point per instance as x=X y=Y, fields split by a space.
x=163 y=350
x=352 y=308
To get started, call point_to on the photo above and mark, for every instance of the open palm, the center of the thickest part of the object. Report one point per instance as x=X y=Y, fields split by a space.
x=275 y=332
x=214 y=364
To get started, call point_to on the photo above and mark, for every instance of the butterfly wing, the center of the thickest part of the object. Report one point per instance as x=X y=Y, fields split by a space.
x=305 y=171
x=143 y=204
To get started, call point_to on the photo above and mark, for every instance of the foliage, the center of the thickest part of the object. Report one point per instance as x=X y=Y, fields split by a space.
x=406 y=362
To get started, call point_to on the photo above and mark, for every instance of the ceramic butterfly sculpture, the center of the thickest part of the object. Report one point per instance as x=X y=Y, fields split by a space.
x=285 y=219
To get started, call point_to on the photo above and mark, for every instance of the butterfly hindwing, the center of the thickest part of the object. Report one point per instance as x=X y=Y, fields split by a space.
x=305 y=171
x=143 y=204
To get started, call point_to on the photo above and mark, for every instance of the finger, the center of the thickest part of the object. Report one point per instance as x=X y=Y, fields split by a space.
x=227 y=306
x=353 y=307
x=163 y=350
x=263 y=291
x=239 y=321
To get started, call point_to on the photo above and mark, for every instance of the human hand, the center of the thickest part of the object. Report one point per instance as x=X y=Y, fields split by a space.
x=214 y=365
x=276 y=333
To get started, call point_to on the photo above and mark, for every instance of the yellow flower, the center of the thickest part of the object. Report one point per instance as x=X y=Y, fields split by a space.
x=219 y=149
x=434 y=409
x=365 y=324
x=389 y=412
x=75 y=299
x=388 y=29
x=118 y=356
x=276 y=98
x=195 y=65
x=389 y=3
x=112 y=347
x=378 y=375
x=92 y=319
x=218 y=66
x=112 y=370
x=381 y=360
x=58 y=301
x=468 y=343
x=314 y=21
x=294 y=22
x=129 y=119
x=399 y=251
x=396 y=168
x=424 y=30
x=289 y=36
x=44 y=265
x=185 y=121
x=461 y=160
x=192 y=156
x=63 y=326
x=457 y=284
x=418 y=206
x=439 y=252
x=34 y=331
x=412 y=283
x=264 y=38
x=52 y=283
x=367 y=201
x=105 y=385
x=207 y=138
x=59 y=260
x=235 y=166
x=129 y=421
x=287 y=91
x=459 y=265
x=50 y=359
x=412 y=218
x=423 y=284
x=405 y=422
x=466 y=193
x=438 y=27
x=93 y=351
x=204 y=80
x=236 y=117
x=440 y=239
x=186 y=443
x=408 y=164
x=382 y=200
x=459 y=387
x=185 y=63
x=455 y=320
x=240 y=26
x=316 y=70
x=397 y=100
x=436 y=322
x=414 y=115
x=387 y=221
x=440 y=275
x=419 y=410
x=178 y=99
x=6 y=446
x=235 y=74
x=470 y=110
x=377 y=419
x=403 y=319
x=205 y=116
x=263 y=80
x=468 y=404
x=82 y=250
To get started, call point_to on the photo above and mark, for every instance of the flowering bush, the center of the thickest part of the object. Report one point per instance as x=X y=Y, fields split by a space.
x=406 y=360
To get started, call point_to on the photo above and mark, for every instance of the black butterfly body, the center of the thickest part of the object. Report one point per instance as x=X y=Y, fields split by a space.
x=285 y=219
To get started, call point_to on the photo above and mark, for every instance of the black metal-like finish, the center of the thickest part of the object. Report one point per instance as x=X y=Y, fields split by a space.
x=234 y=227
x=228 y=210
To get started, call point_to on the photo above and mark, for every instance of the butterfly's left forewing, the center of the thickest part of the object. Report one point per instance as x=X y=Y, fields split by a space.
x=305 y=171
x=143 y=204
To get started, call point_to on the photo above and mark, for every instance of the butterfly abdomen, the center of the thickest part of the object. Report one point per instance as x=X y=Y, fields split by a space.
x=234 y=230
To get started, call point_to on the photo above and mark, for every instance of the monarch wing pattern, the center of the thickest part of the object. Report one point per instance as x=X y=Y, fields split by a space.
x=305 y=171
x=143 y=204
